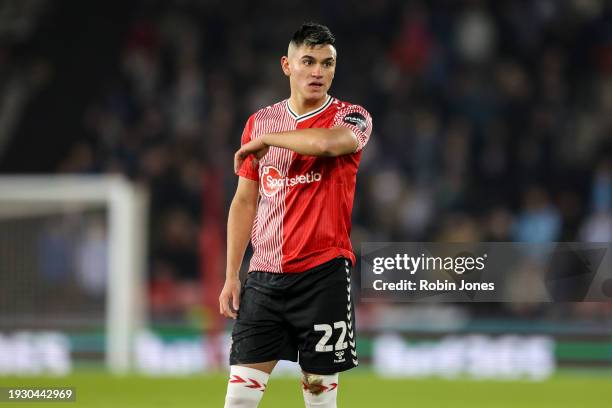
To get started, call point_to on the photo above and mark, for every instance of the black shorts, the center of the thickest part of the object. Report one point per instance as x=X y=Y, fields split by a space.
x=307 y=317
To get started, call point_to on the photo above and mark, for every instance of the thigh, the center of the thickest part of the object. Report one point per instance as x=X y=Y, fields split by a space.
x=323 y=316
x=266 y=367
x=260 y=334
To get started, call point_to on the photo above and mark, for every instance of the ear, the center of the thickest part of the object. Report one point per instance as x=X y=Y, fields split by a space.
x=285 y=65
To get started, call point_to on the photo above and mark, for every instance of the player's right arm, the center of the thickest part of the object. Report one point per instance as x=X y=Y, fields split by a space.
x=239 y=223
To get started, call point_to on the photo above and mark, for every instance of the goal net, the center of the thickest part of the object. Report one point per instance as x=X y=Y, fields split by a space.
x=72 y=261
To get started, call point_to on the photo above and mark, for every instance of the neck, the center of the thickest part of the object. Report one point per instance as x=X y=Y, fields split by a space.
x=301 y=106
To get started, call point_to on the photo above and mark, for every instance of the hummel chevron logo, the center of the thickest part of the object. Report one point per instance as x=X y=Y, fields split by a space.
x=321 y=387
x=255 y=384
x=236 y=379
x=354 y=353
x=352 y=343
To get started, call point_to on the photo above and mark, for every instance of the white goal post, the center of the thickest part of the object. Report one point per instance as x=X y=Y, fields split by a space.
x=127 y=207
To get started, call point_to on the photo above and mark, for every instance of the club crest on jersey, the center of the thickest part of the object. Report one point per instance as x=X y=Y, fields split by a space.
x=273 y=180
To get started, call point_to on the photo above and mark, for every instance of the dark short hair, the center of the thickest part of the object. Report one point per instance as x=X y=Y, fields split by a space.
x=311 y=34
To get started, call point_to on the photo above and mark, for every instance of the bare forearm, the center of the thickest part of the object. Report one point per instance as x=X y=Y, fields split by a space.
x=239 y=224
x=314 y=141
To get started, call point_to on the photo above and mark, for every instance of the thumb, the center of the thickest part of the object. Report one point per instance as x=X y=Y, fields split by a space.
x=235 y=300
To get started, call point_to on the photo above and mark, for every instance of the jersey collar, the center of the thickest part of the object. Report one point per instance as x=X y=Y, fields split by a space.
x=310 y=114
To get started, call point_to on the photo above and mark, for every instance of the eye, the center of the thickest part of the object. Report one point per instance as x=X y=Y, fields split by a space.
x=328 y=64
x=307 y=62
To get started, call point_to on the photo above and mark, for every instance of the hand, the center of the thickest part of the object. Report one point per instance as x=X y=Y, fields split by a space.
x=230 y=298
x=255 y=147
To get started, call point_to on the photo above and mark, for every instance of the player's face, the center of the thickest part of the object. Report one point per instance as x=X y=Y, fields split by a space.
x=310 y=70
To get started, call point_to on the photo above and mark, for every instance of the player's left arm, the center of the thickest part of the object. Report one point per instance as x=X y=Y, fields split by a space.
x=332 y=142
x=349 y=133
x=311 y=142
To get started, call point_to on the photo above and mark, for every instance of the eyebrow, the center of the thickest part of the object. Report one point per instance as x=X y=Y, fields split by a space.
x=313 y=58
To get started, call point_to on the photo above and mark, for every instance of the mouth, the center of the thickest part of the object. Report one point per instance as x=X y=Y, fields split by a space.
x=315 y=85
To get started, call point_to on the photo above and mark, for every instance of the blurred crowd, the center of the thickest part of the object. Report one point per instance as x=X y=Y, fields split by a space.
x=492 y=119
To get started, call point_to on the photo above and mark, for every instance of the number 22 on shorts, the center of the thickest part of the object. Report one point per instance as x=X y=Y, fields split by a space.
x=322 y=345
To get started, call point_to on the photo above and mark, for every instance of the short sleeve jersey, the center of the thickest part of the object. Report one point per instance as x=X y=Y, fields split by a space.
x=305 y=202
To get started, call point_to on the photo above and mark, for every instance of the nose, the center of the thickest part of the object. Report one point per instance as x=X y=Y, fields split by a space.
x=316 y=71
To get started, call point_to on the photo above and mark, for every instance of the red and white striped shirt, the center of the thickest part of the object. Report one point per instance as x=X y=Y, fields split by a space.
x=305 y=202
